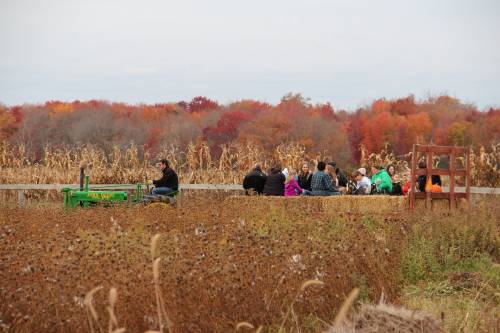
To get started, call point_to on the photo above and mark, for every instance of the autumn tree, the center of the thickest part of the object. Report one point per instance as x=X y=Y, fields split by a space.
x=201 y=103
x=7 y=123
x=319 y=128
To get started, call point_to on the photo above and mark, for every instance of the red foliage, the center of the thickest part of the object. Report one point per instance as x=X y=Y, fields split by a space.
x=17 y=113
x=400 y=123
x=153 y=138
x=201 y=103
x=227 y=127
x=404 y=106
x=355 y=132
x=325 y=111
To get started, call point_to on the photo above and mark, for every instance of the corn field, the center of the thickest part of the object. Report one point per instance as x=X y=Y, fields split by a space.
x=195 y=164
x=134 y=164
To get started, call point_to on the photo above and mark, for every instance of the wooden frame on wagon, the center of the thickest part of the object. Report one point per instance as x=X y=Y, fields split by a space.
x=429 y=171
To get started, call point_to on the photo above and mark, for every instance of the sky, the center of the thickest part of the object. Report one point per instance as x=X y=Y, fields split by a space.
x=346 y=52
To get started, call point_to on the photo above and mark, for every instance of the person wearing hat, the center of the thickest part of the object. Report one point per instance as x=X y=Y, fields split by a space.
x=363 y=183
x=168 y=183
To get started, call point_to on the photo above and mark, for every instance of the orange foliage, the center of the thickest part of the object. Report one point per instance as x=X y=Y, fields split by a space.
x=381 y=105
x=57 y=108
x=7 y=123
x=419 y=127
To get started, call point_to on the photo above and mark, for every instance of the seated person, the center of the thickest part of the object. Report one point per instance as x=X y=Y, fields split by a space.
x=381 y=182
x=405 y=188
x=168 y=183
x=255 y=180
x=292 y=188
x=363 y=183
x=304 y=178
x=275 y=182
x=341 y=177
x=391 y=171
x=396 y=183
x=321 y=183
x=422 y=179
x=330 y=170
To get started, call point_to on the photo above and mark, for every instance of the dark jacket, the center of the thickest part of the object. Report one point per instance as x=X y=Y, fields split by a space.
x=169 y=179
x=422 y=180
x=305 y=181
x=275 y=183
x=255 y=180
x=341 y=178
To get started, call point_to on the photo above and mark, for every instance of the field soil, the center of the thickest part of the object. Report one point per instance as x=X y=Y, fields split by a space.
x=222 y=263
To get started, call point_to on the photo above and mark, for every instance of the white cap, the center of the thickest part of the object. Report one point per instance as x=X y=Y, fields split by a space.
x=362 y=171
x=285 y=172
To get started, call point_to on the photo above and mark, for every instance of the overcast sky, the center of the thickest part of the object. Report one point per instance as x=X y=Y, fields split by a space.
x=347 y=52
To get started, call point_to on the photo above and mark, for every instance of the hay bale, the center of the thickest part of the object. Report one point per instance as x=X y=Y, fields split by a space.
x=363 y=204
x=441 y=204
x=329 y=205
x=387 y=318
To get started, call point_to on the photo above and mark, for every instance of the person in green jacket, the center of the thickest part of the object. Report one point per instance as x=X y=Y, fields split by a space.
x=381 y=179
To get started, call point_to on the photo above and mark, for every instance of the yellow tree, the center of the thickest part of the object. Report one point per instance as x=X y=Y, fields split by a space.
x=7 y=123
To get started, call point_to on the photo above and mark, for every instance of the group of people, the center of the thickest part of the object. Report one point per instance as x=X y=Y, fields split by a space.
x=329 y=180
x=286 y=182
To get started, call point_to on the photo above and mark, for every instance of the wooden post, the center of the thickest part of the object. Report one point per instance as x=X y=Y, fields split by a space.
x=20 y=199
x=467 y=174
x=179 y=198
x=82 y=177
x=452 y=179
x=428 y=194
x=129 y=198
x=412 y=178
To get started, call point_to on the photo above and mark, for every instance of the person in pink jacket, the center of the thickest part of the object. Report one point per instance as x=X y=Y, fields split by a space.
x=292 y=188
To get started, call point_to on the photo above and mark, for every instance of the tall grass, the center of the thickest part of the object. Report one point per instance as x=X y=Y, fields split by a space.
x=195 y=164
x=450 y=267
x=134 y=164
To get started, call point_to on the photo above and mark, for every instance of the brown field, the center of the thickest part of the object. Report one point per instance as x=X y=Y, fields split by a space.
x=228 y=261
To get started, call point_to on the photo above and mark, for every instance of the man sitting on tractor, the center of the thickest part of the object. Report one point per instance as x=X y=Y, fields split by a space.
x=168 y=184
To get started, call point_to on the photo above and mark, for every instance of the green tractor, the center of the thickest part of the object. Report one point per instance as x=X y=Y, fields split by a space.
x=108 y=195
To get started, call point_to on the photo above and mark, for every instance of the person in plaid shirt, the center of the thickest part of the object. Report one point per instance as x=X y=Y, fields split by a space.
x=321 y=182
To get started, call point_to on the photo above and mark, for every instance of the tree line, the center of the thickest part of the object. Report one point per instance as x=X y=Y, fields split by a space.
x=320 y=128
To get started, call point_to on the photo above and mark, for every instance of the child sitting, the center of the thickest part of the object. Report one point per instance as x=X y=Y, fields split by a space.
x=292 y=188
